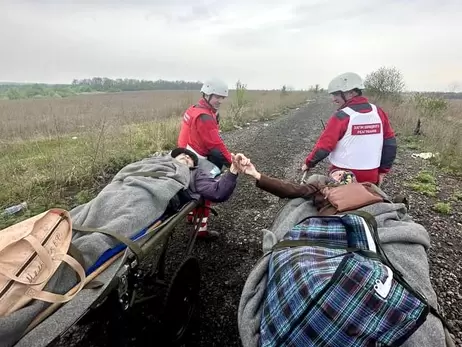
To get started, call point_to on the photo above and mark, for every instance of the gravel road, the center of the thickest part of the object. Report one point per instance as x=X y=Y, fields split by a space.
x=278 y=148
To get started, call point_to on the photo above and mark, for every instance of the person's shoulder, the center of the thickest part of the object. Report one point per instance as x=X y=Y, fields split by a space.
x=340 y=115
x=204 y=117
x=362 y=105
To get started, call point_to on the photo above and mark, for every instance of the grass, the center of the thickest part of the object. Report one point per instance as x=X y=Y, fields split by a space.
x=443 y=207
x=457 y=196
x=58 y=152
x=424 y=183
x=441 y=129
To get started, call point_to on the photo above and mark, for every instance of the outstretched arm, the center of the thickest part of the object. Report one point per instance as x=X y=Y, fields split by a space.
x=285 y=189
x=275 y=186
x=217 y=189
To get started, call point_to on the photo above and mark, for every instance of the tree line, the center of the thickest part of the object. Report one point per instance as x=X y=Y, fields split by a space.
x=90 y=85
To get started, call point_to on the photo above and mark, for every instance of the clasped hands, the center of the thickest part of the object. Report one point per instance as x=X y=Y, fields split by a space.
x=243 y=165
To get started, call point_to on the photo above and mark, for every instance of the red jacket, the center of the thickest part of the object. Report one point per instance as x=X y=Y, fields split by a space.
x=199 y=130
x=336 y=128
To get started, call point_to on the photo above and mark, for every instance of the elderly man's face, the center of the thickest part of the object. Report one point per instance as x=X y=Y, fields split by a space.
x=185 y=159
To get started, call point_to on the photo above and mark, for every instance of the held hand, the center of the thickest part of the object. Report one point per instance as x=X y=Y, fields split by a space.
x=304 y=167
x=250 y=170
x=242 y=159
x=244 y=165
x=234 y=168
x=239 y=161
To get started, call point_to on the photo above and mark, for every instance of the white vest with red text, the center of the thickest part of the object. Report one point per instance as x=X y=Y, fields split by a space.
x=361 y=146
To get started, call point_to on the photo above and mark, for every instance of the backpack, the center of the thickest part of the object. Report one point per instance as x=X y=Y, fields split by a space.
x=331 y=284
x=30 y=253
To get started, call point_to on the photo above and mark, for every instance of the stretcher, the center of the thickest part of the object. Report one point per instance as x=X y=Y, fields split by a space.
x=120 y=275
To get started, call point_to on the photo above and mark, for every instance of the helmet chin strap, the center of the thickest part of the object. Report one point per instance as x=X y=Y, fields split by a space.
x=208 y=100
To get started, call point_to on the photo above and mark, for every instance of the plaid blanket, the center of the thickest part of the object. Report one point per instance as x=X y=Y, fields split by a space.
x=329 y=293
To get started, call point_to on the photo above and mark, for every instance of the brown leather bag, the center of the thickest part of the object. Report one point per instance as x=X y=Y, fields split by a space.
x=350 y=196
x=30 y=253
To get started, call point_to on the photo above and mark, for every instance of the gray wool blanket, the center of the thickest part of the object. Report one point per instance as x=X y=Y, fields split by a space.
x=404 y=241
x=126 y=205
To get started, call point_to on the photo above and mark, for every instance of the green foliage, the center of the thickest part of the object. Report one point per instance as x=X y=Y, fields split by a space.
x=429 y=106
x=410 y=142
x=385 y=83
x=426 y=177
x=424 y=183
x=13 y=94
x=239 y=102
x=443 y=207
x=93 y=85
x=457 y=196
x=424 y=188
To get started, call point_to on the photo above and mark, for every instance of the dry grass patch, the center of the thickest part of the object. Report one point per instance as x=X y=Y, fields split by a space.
x=441 y=129
x=57 y=152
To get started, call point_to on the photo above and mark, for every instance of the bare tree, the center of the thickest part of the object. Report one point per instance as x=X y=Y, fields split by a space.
x=385 y=83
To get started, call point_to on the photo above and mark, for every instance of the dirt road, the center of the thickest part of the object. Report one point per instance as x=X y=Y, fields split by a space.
x=278 y=148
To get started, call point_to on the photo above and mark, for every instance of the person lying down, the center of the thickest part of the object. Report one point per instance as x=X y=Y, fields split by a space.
x=283 y=284
x=128 y=204
x=131 y=201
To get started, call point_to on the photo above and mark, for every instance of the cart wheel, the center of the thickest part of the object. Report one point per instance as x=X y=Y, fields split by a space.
x=181 y=299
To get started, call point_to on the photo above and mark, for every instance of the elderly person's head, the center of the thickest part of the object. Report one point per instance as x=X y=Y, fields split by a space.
x=342 y=176
x=185 y=156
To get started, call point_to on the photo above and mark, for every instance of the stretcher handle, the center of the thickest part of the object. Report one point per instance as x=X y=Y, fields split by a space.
x=303 y=181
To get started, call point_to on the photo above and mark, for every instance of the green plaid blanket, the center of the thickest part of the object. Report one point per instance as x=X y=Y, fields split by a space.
x=330 y=284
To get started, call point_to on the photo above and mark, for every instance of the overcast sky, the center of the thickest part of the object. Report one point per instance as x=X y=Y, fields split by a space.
x=265 y=43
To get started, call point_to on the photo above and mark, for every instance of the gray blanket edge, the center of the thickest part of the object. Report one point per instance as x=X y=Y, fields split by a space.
x=405 y=242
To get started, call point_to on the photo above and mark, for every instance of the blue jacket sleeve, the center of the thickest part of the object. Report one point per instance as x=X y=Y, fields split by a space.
x=217 y=189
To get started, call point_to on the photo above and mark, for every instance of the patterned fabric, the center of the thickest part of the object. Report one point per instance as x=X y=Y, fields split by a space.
x=320 y=296
x=330 y=229
x=347 y=177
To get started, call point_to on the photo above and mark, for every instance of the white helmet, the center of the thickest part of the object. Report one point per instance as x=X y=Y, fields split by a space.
x=215 y=86
x=345 y=82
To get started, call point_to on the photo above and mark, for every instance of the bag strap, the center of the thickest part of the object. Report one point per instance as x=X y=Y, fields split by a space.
x=380 y=255
x=42 y=254
x=301 y=243
x=75 y=253
x=129 y=243
x=370 y=219
x=59 y=298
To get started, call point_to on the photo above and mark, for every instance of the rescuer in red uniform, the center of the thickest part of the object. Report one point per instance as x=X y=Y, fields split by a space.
x=358 y=137
x=200 y=133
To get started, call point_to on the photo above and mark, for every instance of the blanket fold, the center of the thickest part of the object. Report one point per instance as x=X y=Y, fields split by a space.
x=126 y=205
x=405 y=242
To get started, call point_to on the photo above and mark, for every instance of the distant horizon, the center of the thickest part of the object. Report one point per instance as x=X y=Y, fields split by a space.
x=3 y=83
